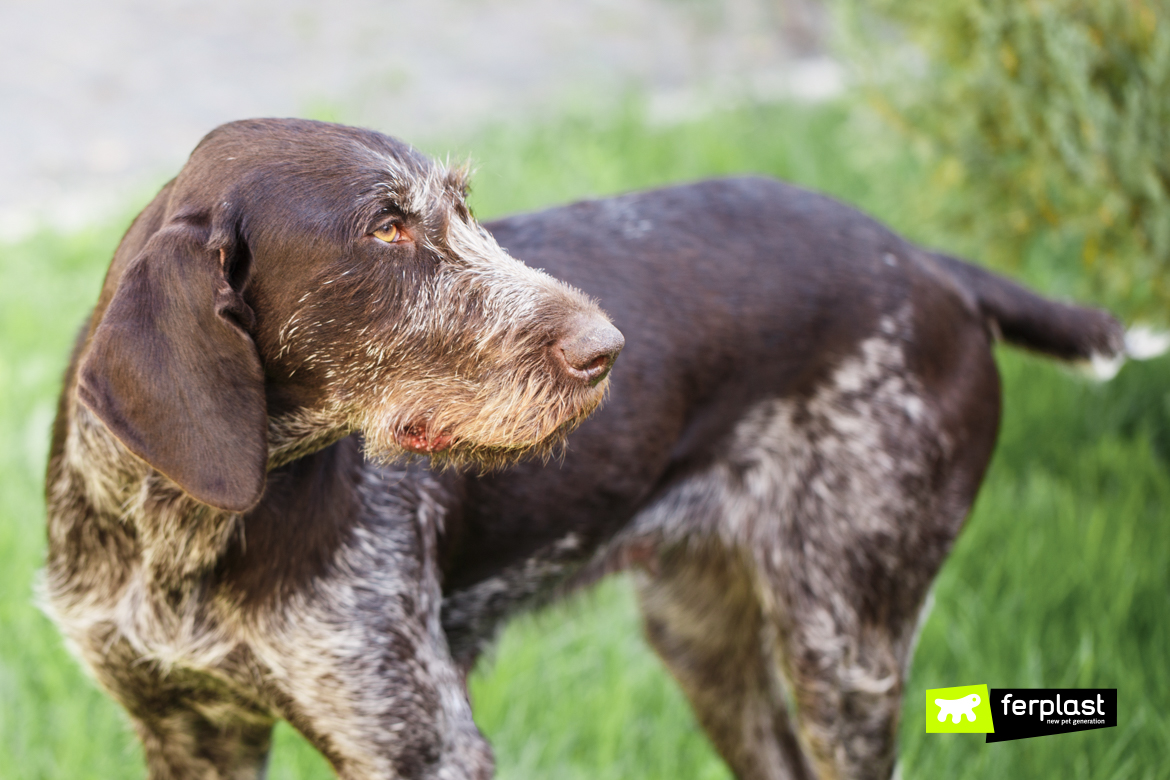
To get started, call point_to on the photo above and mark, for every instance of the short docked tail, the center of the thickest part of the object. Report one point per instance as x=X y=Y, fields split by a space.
x=1065 y=331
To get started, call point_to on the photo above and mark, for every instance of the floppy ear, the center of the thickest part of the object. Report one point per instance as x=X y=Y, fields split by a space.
x=175 y=377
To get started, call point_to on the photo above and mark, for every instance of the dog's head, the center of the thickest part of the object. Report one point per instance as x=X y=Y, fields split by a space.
x=299 y=281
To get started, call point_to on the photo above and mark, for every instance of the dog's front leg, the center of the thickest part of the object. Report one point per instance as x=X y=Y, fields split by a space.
x=359 y=663
x=194 y=725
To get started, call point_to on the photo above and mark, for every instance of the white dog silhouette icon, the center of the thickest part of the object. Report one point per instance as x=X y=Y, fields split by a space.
x=957 y=708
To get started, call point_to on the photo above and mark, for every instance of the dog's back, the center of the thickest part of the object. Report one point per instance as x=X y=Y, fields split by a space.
x=733 y=293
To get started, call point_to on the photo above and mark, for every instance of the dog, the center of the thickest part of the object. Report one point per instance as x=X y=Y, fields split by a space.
x=314 y=447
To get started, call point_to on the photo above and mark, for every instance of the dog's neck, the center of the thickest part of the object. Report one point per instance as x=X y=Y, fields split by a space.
x=302 y=432
x=169 y=533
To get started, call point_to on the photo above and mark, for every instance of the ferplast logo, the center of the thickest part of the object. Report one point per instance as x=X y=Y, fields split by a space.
x=965 y=709
x=1006 y=714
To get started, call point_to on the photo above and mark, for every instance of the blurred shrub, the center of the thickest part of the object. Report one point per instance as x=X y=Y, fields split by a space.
x=1040 y=120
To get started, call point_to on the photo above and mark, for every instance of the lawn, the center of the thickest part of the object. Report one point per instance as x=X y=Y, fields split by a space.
x=1061 y=578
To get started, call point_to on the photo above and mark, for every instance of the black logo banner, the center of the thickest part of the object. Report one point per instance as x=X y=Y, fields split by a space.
x=1020 y=713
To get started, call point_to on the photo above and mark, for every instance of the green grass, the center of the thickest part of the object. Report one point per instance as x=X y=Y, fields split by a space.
x=1061 y=577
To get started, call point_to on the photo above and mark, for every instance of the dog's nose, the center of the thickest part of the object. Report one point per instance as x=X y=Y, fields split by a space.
x=589 y=347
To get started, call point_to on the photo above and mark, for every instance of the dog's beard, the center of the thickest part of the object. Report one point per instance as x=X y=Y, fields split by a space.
x=485 y=426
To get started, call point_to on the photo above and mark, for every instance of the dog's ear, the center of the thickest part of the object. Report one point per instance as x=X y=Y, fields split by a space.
x=173 y=373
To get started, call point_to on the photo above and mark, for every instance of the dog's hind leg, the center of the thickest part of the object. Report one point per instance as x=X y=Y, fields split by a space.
x=785 y=688
x=702 y=617
x=845 y=670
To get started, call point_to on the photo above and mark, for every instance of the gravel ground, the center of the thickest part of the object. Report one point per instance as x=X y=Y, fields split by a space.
x=101 y=101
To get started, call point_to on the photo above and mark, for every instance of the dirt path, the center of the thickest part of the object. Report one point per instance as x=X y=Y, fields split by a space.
x=100 y=100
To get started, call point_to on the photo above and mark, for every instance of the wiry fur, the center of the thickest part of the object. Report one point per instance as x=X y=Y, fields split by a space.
x=252 y=302
x=793 y=438
x=808 y=487
x=797 y=429
x=452 y=328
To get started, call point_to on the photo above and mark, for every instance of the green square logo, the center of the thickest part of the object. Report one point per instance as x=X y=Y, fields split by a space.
x=962 y=710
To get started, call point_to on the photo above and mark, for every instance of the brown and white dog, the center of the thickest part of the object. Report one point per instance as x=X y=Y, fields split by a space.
x=795 y=432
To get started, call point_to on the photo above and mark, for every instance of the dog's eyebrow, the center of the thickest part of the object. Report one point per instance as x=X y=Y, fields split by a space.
x=428 y=193
x=418 y=187
x=386 y=193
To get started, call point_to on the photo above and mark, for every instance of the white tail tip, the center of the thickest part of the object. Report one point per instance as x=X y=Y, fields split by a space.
x=1141 y=343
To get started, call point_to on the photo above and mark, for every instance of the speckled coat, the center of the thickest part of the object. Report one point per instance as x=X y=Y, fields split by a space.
x=794 y=433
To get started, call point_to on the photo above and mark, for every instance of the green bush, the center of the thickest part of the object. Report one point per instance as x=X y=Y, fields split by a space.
x=1041 y=121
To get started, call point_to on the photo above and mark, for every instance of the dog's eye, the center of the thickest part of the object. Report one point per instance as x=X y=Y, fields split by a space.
x=388 y=233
